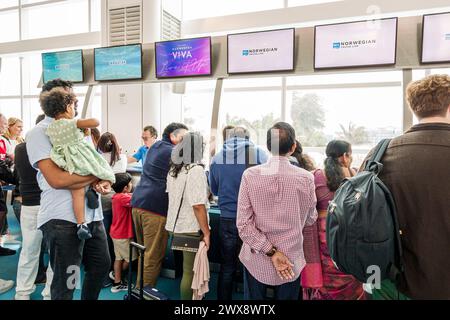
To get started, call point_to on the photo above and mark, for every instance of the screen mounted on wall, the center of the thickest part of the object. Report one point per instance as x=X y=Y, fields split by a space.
x=356 y=44
x=118 y=63
x=436 y=38
x=264 y=51
x=65 y=65
x=183 y=58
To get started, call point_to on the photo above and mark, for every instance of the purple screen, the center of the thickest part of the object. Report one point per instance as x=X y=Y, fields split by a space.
x=183 y=58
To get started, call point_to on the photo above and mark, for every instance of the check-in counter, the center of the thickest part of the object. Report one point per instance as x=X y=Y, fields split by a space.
x=135 y=172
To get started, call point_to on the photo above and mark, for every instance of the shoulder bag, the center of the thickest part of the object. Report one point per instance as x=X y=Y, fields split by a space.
x=184 y=242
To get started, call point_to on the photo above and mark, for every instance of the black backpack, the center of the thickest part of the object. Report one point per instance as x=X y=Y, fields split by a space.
x=362 y=226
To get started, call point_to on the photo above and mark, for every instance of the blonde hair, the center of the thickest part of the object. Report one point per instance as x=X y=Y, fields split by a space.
x=12 y=121
x=430 y=96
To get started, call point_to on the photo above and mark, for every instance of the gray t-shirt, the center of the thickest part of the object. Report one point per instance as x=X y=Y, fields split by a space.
x=55 y=203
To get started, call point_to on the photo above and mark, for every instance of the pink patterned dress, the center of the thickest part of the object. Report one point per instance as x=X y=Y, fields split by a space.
x=335 y=284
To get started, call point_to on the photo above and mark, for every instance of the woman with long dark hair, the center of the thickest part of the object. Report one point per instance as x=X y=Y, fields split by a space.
x=109 y=148
x=188 y=200
x=335 y=284
x=300 y=159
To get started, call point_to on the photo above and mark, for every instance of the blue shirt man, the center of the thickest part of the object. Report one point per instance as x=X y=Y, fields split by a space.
x=225 y=174
x=149 y=136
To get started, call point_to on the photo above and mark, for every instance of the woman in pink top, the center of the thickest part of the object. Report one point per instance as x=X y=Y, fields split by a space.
x=335 y=284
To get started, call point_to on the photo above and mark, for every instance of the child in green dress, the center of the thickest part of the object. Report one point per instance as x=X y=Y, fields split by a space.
x=74 y=154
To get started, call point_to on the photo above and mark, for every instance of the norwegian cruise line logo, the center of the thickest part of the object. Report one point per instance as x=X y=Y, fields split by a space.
x=259 y=51
x=353 y=43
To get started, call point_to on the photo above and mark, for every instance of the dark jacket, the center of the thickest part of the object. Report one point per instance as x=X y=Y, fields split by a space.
x=225 y=178
x=150 y=193
x=26 y=174
x=416 y=169
x=7 y=176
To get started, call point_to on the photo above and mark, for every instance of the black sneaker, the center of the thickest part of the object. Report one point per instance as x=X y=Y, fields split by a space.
x=92 y=199
x=6 y=252
x=83 y=232
x=117 y=287
x=107 y=283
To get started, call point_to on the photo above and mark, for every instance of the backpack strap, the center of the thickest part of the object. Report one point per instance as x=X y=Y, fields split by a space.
x=374 y=163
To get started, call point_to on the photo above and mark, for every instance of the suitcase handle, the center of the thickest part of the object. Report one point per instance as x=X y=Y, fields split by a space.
x=141 y=250
x=137 y=246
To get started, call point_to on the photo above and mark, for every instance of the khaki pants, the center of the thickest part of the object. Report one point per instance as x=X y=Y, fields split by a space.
x=152 y=234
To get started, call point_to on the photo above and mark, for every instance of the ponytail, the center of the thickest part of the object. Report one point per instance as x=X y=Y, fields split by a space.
x=333 y=171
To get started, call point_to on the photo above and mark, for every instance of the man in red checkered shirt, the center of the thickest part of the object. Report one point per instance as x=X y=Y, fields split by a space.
x=276 y=201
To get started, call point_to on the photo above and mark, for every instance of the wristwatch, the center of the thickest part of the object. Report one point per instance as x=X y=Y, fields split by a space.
x=271 y=252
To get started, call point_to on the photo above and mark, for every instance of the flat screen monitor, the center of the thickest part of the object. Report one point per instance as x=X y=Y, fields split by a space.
x=356 y=44
x=118 y=63
x=436 y=38
x=65 y=65
x=264 y=51
x=183 y=58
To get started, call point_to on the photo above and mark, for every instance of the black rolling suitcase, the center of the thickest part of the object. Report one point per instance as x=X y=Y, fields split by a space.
x=144 y=293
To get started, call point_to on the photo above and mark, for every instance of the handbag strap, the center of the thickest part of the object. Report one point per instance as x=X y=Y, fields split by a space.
x=181 y=202
x=179 y=207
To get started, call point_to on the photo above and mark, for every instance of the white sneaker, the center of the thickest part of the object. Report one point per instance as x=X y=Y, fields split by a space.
x=22 y=297
x=5 y=285
x=119 y=287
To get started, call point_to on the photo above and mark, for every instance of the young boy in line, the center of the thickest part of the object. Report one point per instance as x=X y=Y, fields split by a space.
x=121 y=229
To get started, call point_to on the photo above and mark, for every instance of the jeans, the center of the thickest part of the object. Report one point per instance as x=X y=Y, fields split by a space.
x=29 y=264
x=67 y=253
x=255 y=290
x=230 y=246
x=107 y=222
x=17 y=207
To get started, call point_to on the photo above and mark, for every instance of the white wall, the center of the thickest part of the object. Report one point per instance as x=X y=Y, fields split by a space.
x=125 y=115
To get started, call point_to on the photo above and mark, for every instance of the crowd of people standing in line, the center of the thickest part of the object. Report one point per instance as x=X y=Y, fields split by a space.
x=273 y=208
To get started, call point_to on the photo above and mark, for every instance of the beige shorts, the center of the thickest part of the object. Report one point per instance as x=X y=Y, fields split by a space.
x=122 y=249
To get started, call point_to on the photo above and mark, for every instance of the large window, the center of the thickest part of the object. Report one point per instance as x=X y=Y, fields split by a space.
x=9 y=26
x=68 y=17
x=361 y=108
x=60 y=18
x=20 y=73
x=197 y=9
x=21 y=100
x=297 y=3
x=197 y=108
x=253 y=103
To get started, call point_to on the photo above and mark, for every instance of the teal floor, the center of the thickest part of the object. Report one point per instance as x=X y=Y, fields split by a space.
x=8 y=271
